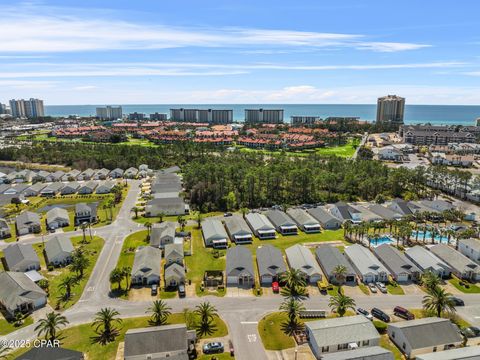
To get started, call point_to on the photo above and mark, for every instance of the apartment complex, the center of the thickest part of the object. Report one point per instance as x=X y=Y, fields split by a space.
x=304 y=120
x=264 y=116
x=390 y=109
x=3 y=109
x=436 y=134
x=211 y=116
x=158 y=117
x=109 y=112
x=31 y=109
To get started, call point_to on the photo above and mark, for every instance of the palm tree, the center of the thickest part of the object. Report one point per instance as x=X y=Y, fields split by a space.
x=83 y=226
x=116 y=277
x=207 y=312
x=135 y=210
x=199 y=218
x=148 y=225
x=3 y=351
x=50 y=325
x=340 y=273
x=104 y=325
x=347 y=229
x=126 y=271
x=161 y=216
x=340 y=303
x=292 y=308
x=430 y=280
x=189 y=318
x=79 y=262
x=181 y=221
x=44 y=284
x=294 y=284
x=438 y=300
x=160 y=312
x=66 y=284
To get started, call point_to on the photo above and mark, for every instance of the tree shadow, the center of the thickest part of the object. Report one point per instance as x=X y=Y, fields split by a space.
x=206 y=329
x=291 y=327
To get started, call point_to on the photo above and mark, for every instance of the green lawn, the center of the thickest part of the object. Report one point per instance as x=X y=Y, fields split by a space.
x=271 y=333
x=79 y=337
x=346 y=150
x=421 y=313
x=222 y=356
x=395 y=289
x=472 y=288
x=7 y=327
x=364 y=288
x=387 y=344
x=92 y=250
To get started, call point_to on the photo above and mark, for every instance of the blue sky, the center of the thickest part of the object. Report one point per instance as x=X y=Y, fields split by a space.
x=263 y=51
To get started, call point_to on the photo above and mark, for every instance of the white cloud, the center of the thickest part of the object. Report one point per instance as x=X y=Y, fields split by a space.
x=85 y=87
x=37 y=29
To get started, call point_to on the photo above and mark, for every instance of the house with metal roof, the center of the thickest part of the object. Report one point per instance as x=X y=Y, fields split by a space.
x=239 y=267
x=384 y=212
x=100 y=174
x=422 y=336
x=19 y=293
x=55 y=176
x=70 y=188
x=130 y=173
x=21 y=257
x=271 y=265
x=173 y=342
x=367 y=266
x=463 y=353
x=401 y=268
x=173 y=254
x=105 y=187
x=340 y=334
x=304 y=220
x=85 y=175
x=345 y=212
x=329 y=257
x=282 y=222
x=34 y=190
x=71 y=175
x=59 y=250
x=5 y=231
x=238 y=230
x=57 y=217
x=174 y=275
x=51 y=353
x=146 y=266
x=461 y=266
x=427 y=261
x=52 y=189
x=85 y=213
x=87 y=188
x=171 y=206
x=214 y=233
x=300 y=258
x=325 y=218
x=27 y=222
x=162 y=234
x=261 y=226
x=363 y=353
x=470 y=248
x=116 y=173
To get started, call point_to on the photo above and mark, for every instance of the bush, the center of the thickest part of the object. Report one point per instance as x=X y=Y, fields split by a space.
x=380 y=326
x=50 y=267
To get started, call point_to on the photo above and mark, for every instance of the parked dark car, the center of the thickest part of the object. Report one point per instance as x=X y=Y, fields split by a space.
x=228 y=214
x=213 y=348
x=457 y=301
x=154 y=290
x=181 y=291
x=379 y=314
x=470 y=332
x=403 y=313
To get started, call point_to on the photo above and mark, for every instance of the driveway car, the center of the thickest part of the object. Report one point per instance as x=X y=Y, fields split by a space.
x=372 y=288
x=457 y=301
x=213 y=348
x=365 y=313
x=381 y=287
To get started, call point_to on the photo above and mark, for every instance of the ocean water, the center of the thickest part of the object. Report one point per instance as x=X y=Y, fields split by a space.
x=434 y=114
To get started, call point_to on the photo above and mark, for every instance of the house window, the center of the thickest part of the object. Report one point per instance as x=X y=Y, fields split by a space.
x=325 y=349
x=434 y=349
x=342 y=346
x=403 y=346
x=393 y=334
x=365 y=342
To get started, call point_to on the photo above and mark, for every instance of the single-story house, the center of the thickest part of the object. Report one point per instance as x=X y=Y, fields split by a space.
x=130 y=173
x=21 y=257
x=367 y=266
x=57 y=217
x=389 y=153
x=461 y=266
x=463 y=353
x=173 y=254
x=363 y=353
x=403 y=207
x=326 y=219
x=470 y=248
x=304 y=220
x=174 y=342
x=51 y=353
x=52 y=189
x=116 y=173
x=59 y=250
x=40 y=176
x=71 y=175
x=27 y=222
x=174 y=275
x=35 y=189
x=271 y=265
x=55 y=176
x=101 y=174
x=162 y=234
x=19 y=293
x=4 y=187
x=105 y=187
x=4 y=229
x=261 y=226
x=427 y=261
x=239 y=268
x=384 y=212
x=366 y=214
x=87 y=188
x=345 y=212
x=329 y=257
x=300 y=258
x=171 y=206
x=70 y=188
x=146 y=266
x=214 y=233
x=422 y=336
x=85 y=175
x=282 y=222
x=438 y=205
x=16 y=190
x=401 y=268
x=339 y=334
x=85 y=213
x=238 y=230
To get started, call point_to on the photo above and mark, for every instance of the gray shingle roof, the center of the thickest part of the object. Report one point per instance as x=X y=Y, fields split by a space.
x=16 y=288
x=20 y=255
x=471 y=243
x=270 y=260
x=213 y=229
x=53 y=187
x=172 y=205
x=395 y=260
x=239 y=259
x=300 y=258
x=279 y=218
x=236 y=225
x=4 y=225
x=301 y=217
x=329 y=257
x=322 y=215
x=345 y=210
x=362 y=353
x=147 y=261
x=26 y=218
x=384 y=212
x=364 y=260
x=51 y=353
x=425 y=259
x=259 y=222
x=58 y=245
x=57 y=213
x=465 y=353
x=173 y=249
x=454 y=259
x=174 y=270
x=160 y=231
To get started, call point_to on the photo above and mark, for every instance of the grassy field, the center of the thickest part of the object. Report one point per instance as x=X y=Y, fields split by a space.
x=472 y=288
x=395 y=290
x=346 y=150
x=80 y=337
x=7 y=327
x=421 y=313
x=270 y=330
x=387 y=344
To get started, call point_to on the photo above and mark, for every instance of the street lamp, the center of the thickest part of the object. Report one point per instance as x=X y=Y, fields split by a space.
x=296 y=352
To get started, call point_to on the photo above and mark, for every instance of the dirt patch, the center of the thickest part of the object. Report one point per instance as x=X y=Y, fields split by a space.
x=141 y=294
x=190 y=290
x=313 y=291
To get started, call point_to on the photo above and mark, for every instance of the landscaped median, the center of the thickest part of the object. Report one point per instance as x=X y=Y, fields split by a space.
x=464 y=286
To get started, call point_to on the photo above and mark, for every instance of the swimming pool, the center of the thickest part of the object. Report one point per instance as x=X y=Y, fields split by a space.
x=381 y=240
x=428 y=237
